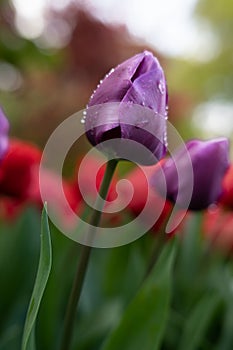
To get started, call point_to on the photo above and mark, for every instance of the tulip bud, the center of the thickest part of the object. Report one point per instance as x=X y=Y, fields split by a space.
x=130 y=104
x=208 y=161
x=4 y=128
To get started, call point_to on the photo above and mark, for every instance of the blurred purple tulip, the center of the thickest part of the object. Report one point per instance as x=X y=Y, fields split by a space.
x=206 y=161
x=4 y=128
x=131 y=103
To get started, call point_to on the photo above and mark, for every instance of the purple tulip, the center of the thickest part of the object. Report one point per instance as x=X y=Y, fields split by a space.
x=131 y=103
x=201 y=166
x=4 y=128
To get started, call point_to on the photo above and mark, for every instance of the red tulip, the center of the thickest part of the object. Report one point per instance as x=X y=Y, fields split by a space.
x=218 y=228
x=19 y=182
x=227 y=195
x=140 y=196
x=89 y=183
x=16 y=169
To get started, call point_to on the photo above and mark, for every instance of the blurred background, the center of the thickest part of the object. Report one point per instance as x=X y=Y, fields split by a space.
x=54 y=52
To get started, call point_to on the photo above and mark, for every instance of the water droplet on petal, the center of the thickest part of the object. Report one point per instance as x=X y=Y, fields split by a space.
x=84 y=117
x=161 y=87
x=109 y=73
x=166 y=112
x=165 y=139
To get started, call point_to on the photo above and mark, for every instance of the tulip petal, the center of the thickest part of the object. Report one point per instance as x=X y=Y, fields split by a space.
x=115 y=85
x=209 y=161
x=101 y=119
x=149 y=90
x=4 y=128
x=144 y=126
x=148 y=63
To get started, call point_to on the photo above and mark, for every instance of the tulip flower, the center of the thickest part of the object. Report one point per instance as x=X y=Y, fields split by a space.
x=19 y=182
x=91 y=183
x=140 y=185
x=207 y=161
x=16 y=169
x=131 y=104
x=16 y=177
x=217 y=228
x=226 y=198
x=4 y=128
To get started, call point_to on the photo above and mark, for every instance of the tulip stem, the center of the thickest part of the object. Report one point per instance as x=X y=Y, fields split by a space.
x=85 y=257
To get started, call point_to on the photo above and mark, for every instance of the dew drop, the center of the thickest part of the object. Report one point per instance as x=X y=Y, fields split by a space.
x=84 y=117
x=165 y=139
x=111 y=71
x=161 y=87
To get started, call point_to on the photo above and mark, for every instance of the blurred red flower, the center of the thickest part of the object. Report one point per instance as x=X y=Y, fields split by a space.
x=19 y=181
x=16 y=169
x=226 y=198
x=88 y=178
x=218 y=228
x=139 y=179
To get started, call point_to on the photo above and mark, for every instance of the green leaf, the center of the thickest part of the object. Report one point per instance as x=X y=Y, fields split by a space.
x=44 y=268
x=198 y=322
x=143 y=324
x=191 y=247
x=96 y=325
x=226 y=337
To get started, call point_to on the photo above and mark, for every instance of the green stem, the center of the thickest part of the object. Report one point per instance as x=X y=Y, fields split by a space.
x=84 y=258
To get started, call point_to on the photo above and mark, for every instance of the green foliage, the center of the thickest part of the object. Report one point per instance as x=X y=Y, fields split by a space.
x=143 y=323
x=19 y=249
x=198 y=322
x=45 y=262
x=190 y=308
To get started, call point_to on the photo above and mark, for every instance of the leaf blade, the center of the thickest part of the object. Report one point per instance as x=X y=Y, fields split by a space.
x=198 y=322
x=43 y=272
x=143 y=324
